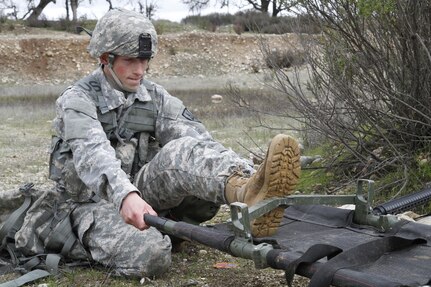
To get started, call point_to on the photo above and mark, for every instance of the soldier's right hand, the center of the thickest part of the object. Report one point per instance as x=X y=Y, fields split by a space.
x=133 y=210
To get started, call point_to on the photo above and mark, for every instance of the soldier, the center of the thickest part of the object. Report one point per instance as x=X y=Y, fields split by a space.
x=125 y=147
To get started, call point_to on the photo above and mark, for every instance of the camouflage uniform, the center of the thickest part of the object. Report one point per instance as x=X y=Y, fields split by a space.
x=178 y=158
x=111 y=141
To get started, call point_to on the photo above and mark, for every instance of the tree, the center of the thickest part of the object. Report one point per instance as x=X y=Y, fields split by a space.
x=74 y=6
x=9 y=5
x=283 y=5
x=368 y=88
x=259 y=5
x=110 y=4
x=66 y=4
x=277 y=5
x=36 y=11
x=196 y=5
x=149 y=9
x=262 y=5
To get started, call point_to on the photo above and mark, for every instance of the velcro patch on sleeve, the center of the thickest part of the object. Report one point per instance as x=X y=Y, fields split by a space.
x=188 y=115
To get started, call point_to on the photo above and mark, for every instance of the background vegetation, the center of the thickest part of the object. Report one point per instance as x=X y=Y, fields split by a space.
x=368 y=95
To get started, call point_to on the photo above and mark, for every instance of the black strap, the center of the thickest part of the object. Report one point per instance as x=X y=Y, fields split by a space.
x=52 y=263
x=32 y=263
x=313 y=254
x=14 y=221
x=11 y=249
x=6 y=269
x=26 y=278
x=360 y=255
x=16 y=261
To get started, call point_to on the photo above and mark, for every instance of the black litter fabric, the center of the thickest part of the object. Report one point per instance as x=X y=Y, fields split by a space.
x=406 y=262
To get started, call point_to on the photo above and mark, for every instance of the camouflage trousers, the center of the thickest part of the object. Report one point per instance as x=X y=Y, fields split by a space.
x=182 y=168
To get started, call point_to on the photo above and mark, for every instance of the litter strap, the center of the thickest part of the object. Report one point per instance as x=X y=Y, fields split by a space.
x=358 y=256
x=313 y=254
x=26 y=278
x=14 y=221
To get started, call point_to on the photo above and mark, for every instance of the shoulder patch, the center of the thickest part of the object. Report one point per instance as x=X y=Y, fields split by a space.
x=188 y=115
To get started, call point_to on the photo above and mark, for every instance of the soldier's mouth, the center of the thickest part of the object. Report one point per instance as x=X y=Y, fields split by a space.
x=135 y=80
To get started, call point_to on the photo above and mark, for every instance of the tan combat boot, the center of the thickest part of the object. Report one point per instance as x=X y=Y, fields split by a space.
x=277 y=176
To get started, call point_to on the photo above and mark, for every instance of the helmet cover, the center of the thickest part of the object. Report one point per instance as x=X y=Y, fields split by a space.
x=124 y=33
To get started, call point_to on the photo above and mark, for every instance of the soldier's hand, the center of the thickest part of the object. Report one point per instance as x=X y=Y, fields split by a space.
x=133 y=210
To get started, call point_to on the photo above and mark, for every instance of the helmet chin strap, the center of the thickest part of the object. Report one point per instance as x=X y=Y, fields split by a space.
x=117 y=81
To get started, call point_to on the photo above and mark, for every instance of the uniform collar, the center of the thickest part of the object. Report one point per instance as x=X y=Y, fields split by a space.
x=114 y=98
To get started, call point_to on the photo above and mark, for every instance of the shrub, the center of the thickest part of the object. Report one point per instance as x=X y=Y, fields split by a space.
x=280 y=59
x=238 y=27
x=209 y=22
x=218 y=19
x=254 y=21
x=3 y=17
x=62 y=24
x=38 y=23
x=165 y=26
x=367 y=87
x=258 y=22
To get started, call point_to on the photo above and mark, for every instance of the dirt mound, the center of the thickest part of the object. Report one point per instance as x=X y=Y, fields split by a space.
x=50 y=58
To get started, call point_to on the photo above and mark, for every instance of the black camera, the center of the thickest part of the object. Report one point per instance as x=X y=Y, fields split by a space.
x=145 y=46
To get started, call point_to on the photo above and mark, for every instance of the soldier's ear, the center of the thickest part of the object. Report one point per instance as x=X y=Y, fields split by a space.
x=104 y=58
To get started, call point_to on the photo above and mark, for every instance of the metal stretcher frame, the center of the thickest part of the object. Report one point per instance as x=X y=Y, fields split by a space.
x=331 y=246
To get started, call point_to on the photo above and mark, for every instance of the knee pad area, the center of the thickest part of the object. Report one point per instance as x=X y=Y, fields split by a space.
x=145 y=260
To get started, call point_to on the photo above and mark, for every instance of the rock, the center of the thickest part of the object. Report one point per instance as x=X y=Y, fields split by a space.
x=307 y=160
x=216 y=99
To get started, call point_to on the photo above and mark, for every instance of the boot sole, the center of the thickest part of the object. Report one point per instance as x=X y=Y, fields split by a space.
x=282 y=172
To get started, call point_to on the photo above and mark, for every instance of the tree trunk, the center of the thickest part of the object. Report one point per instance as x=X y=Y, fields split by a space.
x=110 y=4
x=275 y=9
x=38 y=9
x=74 y=7
x=265 y=6
x=67 y=10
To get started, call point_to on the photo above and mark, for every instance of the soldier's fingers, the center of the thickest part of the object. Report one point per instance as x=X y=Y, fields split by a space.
x=141 y=225
x=151 y=212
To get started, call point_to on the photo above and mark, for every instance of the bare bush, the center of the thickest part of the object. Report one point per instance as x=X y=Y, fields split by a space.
x=253 y=21
x=369 y=85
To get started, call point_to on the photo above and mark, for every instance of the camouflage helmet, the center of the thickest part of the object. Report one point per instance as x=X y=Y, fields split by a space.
x=124 y=33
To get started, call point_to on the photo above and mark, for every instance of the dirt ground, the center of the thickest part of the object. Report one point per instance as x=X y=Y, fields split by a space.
x=30 y=56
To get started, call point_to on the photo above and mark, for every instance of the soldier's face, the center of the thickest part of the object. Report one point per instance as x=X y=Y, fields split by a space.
x=130 y=71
